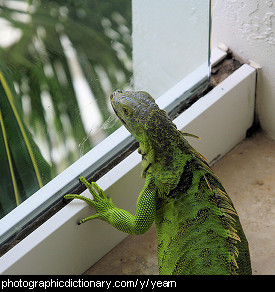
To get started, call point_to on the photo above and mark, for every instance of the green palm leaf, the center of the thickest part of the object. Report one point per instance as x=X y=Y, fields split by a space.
x=39 y=65
x=43 y=112
x=23 y=168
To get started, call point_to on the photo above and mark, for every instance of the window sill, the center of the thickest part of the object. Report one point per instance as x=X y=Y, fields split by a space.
x=59 y=246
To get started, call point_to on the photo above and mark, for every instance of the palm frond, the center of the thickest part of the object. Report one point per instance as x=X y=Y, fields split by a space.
x=41 y=119
x=23 y=168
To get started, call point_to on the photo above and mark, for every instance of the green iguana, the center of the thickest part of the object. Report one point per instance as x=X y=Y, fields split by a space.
x=198 y=229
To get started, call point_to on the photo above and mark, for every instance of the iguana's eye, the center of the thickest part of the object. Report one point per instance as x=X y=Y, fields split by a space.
x=126 y=111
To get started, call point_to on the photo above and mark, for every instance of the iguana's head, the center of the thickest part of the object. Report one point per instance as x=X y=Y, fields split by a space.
x=158 y=137
x=133 y=108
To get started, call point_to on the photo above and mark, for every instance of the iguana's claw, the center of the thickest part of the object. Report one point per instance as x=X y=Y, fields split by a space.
x=100 y=201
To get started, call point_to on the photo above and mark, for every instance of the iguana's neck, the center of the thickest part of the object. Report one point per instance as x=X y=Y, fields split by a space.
x=166 y=166
x=163 y=149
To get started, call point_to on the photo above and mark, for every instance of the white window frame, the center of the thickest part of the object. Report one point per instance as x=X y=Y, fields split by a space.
x=59 y=246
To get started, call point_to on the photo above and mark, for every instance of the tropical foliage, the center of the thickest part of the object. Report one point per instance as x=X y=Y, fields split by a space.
x=50 y=46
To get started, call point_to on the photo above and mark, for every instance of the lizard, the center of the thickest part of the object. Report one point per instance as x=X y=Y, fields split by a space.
x=198 y=228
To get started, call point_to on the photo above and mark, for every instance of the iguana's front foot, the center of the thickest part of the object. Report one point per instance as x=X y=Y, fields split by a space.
x=100 y=201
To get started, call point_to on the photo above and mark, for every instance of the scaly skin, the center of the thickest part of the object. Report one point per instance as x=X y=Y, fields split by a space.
x=198 y=229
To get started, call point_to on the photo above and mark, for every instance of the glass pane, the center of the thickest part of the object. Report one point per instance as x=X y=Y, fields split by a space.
x=59 y=61
x=170 y=41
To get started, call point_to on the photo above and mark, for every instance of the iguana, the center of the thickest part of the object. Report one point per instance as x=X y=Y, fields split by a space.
x=198 y=229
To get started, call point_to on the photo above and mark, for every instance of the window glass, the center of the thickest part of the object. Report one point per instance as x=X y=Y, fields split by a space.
x=59 y=61
x=170 y=41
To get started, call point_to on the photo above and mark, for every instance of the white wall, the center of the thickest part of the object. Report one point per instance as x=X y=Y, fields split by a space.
x=170 y=40
x=248 y=28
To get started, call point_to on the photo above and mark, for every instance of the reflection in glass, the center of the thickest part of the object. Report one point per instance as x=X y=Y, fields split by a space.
x=59 y=61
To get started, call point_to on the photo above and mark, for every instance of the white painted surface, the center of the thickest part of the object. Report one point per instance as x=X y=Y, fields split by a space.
x=60 y=246
x=222 y=117
x=248 y=28
x=170 y=40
